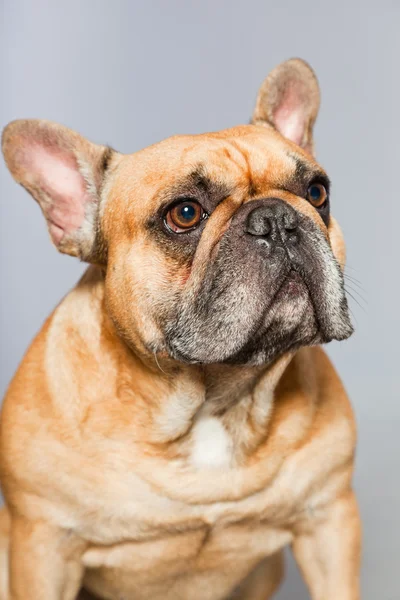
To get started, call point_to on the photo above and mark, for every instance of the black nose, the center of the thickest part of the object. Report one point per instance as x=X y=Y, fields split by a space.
x=273 y=220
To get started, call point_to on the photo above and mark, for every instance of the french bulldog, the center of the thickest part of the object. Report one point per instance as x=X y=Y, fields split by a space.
x=175 y=423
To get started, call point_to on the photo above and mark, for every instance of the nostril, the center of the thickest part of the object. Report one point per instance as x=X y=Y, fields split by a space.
x=290 y=221
x=258 y=224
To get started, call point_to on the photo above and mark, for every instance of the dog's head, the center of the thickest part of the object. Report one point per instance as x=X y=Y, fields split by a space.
x=217 y=247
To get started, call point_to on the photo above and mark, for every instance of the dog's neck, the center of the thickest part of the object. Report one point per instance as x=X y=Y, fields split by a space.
x=213 y=415
x=242 y=398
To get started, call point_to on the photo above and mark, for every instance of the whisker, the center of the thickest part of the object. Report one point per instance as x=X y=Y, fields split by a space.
x=353 y=280
x=158 y=364
x=361 y=297
x=353 y=315
x=355 y=300
x=352 y=268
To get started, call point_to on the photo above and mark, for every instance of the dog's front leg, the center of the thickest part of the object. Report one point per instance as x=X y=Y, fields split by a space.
x=44 y=562
x=328 y=553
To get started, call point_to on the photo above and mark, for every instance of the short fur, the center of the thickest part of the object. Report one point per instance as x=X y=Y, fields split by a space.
x=175 y=424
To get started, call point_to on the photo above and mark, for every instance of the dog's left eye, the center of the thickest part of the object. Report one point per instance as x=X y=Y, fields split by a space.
x=184 y=216
x=317 y=195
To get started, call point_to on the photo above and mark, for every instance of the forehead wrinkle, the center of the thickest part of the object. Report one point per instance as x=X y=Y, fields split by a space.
x=246 y=168
x=268 y=163
x=217 y=170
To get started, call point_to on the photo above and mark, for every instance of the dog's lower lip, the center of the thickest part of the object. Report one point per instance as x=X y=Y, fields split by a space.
x=295 y=283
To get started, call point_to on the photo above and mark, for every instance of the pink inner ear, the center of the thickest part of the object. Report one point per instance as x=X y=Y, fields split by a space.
x=289 y=116
x=56 y=173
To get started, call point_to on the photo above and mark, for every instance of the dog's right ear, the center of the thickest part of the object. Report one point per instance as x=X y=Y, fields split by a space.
x=64 y=172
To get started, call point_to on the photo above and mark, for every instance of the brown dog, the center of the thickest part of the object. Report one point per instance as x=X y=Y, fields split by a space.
x=174 y=424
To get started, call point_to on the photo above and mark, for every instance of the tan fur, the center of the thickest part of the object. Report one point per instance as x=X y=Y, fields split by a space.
x=97 y=434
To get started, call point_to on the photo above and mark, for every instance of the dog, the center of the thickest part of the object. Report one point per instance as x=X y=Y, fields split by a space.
x=175 y=424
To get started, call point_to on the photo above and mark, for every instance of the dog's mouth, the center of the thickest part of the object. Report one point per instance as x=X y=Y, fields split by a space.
x=291 y=319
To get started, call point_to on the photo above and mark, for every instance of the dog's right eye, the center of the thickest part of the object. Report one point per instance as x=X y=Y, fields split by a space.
x=184 y=216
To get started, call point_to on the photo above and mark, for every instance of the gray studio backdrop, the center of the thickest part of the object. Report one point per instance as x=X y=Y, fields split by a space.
x=129 y=73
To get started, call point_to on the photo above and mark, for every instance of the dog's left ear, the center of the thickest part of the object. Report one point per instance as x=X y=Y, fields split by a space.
x=289 y=100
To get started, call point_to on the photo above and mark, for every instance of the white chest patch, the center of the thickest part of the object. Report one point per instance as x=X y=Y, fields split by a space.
x=212 y=446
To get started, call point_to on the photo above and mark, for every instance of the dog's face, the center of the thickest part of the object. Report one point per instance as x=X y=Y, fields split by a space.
x=217 y=247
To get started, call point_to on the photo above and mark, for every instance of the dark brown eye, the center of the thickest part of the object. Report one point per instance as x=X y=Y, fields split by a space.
x=317 y=194
x=184 y=216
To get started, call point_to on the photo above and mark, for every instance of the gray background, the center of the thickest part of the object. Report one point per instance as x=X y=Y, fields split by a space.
x=131 y=73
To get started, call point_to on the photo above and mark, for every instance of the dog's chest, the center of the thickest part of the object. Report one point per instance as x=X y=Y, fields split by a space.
x=201 y=553
x=160 y=548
